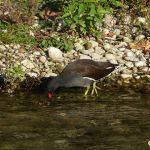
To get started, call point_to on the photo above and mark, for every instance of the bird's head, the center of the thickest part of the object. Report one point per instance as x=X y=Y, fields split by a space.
x=52 y=87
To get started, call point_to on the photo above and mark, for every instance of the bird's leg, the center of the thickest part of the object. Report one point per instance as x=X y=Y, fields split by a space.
x=87 y=90
x=95 y=88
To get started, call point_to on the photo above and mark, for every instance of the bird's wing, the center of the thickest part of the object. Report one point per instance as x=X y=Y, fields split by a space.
x=89 y=68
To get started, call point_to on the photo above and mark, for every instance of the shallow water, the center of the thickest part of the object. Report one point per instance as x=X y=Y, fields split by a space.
x=112 y=121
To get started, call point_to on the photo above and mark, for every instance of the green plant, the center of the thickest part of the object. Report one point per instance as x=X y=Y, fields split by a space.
x=16 y=73
x=86 y=15
x=12 y=33
x=60 y=41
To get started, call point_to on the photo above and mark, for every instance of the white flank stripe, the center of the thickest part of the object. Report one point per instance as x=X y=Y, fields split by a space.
x=89 y=78
x=109 y=68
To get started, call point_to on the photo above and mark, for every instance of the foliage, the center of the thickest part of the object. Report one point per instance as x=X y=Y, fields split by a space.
x=60 y=41
x=16 y=34
x=85 y=16
x=18 y=11
x=16 y=73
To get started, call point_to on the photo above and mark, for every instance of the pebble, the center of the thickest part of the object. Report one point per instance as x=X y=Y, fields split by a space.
x=42 y=59
x=140 y=37
x=140 y=64
x=82 y=56
x=28 y=64
x=108 y=46
x=78 y=46
x=110 y=56
x=55 y=54
x=125 y=76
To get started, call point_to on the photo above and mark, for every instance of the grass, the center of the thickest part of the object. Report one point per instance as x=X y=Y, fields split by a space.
x=18 y=34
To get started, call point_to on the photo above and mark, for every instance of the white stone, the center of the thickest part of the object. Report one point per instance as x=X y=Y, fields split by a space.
x=140 y=37
x=127 y=19
x=82 y=56
x=2 y=48
x=127 y=39
x=125 y=76
x=106 y=31
x=140 y=64
x=107 y=46
x=141 y=20
x=55 y=54
x=78 y=47
x=130 y=54
x=28 y=64
x=37 y=53
x=129 y=64
x=43 y=59
x=113 y=61
x=95 y=56
x=99 y=50
x=133 y=59
x=93 y=43
x=109 y=20
x=117 y=31
x=110 y=56
x=16 y=46
x=32 y=74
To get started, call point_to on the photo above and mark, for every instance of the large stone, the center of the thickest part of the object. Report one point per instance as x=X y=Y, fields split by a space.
x=95 y=56
x=110 y=56
x=78 y=46
x=82 y=56
x=55 y=54
x=28 y=64
x=42 y=59
x=140 y=64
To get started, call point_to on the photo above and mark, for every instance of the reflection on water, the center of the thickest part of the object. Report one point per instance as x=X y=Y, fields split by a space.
x=112 y=121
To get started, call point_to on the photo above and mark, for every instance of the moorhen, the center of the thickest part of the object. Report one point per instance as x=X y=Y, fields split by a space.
x=81 y=73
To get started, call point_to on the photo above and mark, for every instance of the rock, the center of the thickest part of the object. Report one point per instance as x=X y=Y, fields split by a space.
x=133 y=59
x=48 y=74
x=129 y=64
x=140 y=64
x=110 y=56
x=134 y=29
x=99 y=50
x=109 y=20
x=113 y=61
x=141 y=20
x=28 y=64
x=93 y=43
x=55 y=54
x=87 y=52
x=108 y=46
x=117 y=31
x=2 y=48
x=127 y=39
x=140 y=37
x=78 y=47
x=106 y=31
x=32 y=74
x=82 y=56
x=16 y=46
x=130 y=54
x=42 y=59
x=103 y=59
x=127 y=20
x=126 y=76
x=95 y=56
x=37 y=53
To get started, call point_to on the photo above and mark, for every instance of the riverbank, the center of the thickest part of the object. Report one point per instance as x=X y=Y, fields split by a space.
x=125 y=40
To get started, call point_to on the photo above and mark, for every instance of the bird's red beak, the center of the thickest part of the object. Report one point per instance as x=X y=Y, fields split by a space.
x=50 y=95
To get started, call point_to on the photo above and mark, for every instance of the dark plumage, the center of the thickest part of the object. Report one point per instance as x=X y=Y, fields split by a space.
x=81 y=73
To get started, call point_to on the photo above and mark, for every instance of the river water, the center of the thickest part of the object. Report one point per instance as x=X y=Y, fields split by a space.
x=118 y=120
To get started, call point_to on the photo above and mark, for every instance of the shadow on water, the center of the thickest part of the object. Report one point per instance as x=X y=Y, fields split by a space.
x=111 y=121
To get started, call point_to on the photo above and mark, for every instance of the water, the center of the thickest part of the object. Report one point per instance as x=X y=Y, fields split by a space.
x=112 y=121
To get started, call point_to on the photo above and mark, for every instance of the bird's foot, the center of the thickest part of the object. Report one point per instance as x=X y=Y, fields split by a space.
x=95 y=88
x=87 y=91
